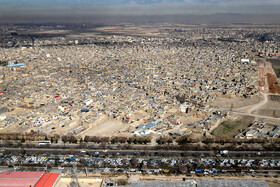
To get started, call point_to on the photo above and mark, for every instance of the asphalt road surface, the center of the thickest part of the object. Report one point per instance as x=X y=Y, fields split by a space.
x=152 y=153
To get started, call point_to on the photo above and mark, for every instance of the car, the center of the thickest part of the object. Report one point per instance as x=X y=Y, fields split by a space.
x=106 y=170
x=61 y=168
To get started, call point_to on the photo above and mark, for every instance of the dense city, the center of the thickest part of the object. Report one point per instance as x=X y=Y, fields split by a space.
x=130 y=90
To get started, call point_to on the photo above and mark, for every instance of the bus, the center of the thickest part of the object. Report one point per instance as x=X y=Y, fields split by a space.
x=44 y=142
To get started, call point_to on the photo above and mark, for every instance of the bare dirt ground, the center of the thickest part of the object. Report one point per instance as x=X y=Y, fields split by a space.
x=267 y=78
x=15 y=127
x=105 y=127
x=249 y=109
x=225 y=103
x=272 y=182
x=93 y=182
x=129 y=30
x=271 y=108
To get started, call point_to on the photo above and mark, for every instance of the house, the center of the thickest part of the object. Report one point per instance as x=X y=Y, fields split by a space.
x=274 y=131
x=251 y=133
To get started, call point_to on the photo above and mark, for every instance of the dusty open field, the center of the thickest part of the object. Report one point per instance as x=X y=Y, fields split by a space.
x=273 y=182
x=84 y=182
x=225 y=103
x=130 y=30
x=270 y=108
x=105 y=127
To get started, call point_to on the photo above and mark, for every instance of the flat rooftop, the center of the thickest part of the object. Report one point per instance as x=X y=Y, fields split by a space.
x=23 y=179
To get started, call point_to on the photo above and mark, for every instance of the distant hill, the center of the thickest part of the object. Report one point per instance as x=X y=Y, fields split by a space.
x=218 y=18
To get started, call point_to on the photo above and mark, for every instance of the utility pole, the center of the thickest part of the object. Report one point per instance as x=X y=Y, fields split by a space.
x=74 y=177
x=86 y=171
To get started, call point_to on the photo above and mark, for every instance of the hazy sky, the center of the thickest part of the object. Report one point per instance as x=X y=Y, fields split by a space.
x=55 y=8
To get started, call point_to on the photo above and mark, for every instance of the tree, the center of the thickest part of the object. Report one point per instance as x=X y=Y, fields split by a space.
x=134 y=162
x=122 y=182
x=169 y=140
x=123 y=139
x=64 y=139
x=87 y=139
x=105 y=140
x=129 y=141
x=113 y=141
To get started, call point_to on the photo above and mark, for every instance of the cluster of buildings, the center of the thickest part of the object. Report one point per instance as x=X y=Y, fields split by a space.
x=259 y=129
x=171 y=81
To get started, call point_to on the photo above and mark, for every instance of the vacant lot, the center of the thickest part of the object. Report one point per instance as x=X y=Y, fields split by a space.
x=225 y=103
x=276 y=66
x=231 y=128
x=106 y=127
x=85 y=182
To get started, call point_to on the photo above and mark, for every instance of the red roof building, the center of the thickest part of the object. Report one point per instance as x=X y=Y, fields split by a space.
x=48 y=180
x=31 y=179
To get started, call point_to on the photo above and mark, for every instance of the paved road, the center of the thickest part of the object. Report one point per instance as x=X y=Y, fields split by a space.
x=131 y=170
x=152 y=153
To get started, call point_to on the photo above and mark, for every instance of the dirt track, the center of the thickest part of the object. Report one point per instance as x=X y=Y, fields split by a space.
x=267 y=78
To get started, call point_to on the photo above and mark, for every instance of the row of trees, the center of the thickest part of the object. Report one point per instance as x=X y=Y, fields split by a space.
x=69 y=138
x=118 y=140
x=164 y=140
x=183 y=140
x=29 y=136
